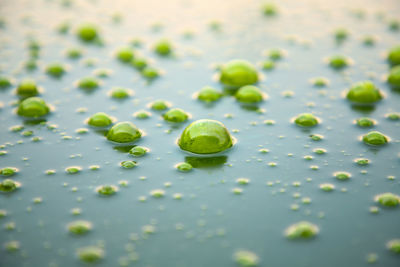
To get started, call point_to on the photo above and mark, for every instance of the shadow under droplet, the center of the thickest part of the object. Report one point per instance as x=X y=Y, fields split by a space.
x=396 y=89
x=34 y=121
x=102 y=132
x=230 y=91
x=123 y=149
x=250 y=107
x=363 y=108
x=176 y=125
x=206 y=162
x=88 y=91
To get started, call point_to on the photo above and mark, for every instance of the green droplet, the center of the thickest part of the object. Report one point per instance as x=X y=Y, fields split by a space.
x=327 y=187
x=365 y=122
x=394 y=77
x=56 y=70
x=237 y=191
x=394 y=245
x=183 y=167
x=205 y=137
x=341 y=34
x=8 y=171
x=27 y=88
x=74 y=53
x=237 y=73
x=362 y=161
x=27 y=133
x=369 y=40
x=87 y=32
x=76 y=211
x=107 y=190
x=128 y=164
x=268 y=65
x=374 y=210
x=246 y=258
x=316 y=137
x=136 y=42
x=275 y=54
x=142 y=114
x=319 y=151
x=342 y=175
x=30 y=64
x=138 y=151
x=73 y=169
x=63 y=27
x=125 y=55
x=302 y=230
x=372 y=258
x=388 y=199
x=149 y=229
x=6 y=82
x=12 y=246
x=163 y=48
x=124 y=132
x=394 y=55
x=102 y=73
x=375 y=138
x=16 y=128
x=150 y=73
x=90 y=62
x=81 y=130
x=320 y=82
x=34 y=45
x=394 y=25
x=364 y=93
x=3 y=213
x=306 y=120
x=120 y=93
x=9 y=185
x=269 y=9
x=33 y=107
x=209 y=94
x=393 y=116
x=160 y=105
x=90 y=254
x=215 y=25
x=243 y=181
x=176 y=115
x=157 y=193
x=139 y=63
x=79 y=227
x=94 y=167
x=50 y=172
x=100 y=119
x=249 y=94
x=9 y=226
x=178 y=196
x=338 y=62
x=88 y=83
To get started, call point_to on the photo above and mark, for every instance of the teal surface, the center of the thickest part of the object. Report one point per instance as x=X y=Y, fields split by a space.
x=210 y=223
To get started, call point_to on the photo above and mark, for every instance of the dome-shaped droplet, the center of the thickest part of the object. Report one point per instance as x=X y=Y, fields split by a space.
x=205 y=137
x=124 y=132
x=237 y=73
x=364 y=93
x=33 y=107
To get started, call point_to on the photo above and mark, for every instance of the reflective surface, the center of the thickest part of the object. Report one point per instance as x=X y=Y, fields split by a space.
x=210 y=223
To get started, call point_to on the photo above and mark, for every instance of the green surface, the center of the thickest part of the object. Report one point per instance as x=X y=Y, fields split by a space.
x=229 y=209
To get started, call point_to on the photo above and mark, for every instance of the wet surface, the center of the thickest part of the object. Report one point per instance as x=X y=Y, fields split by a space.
x=210 y=223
